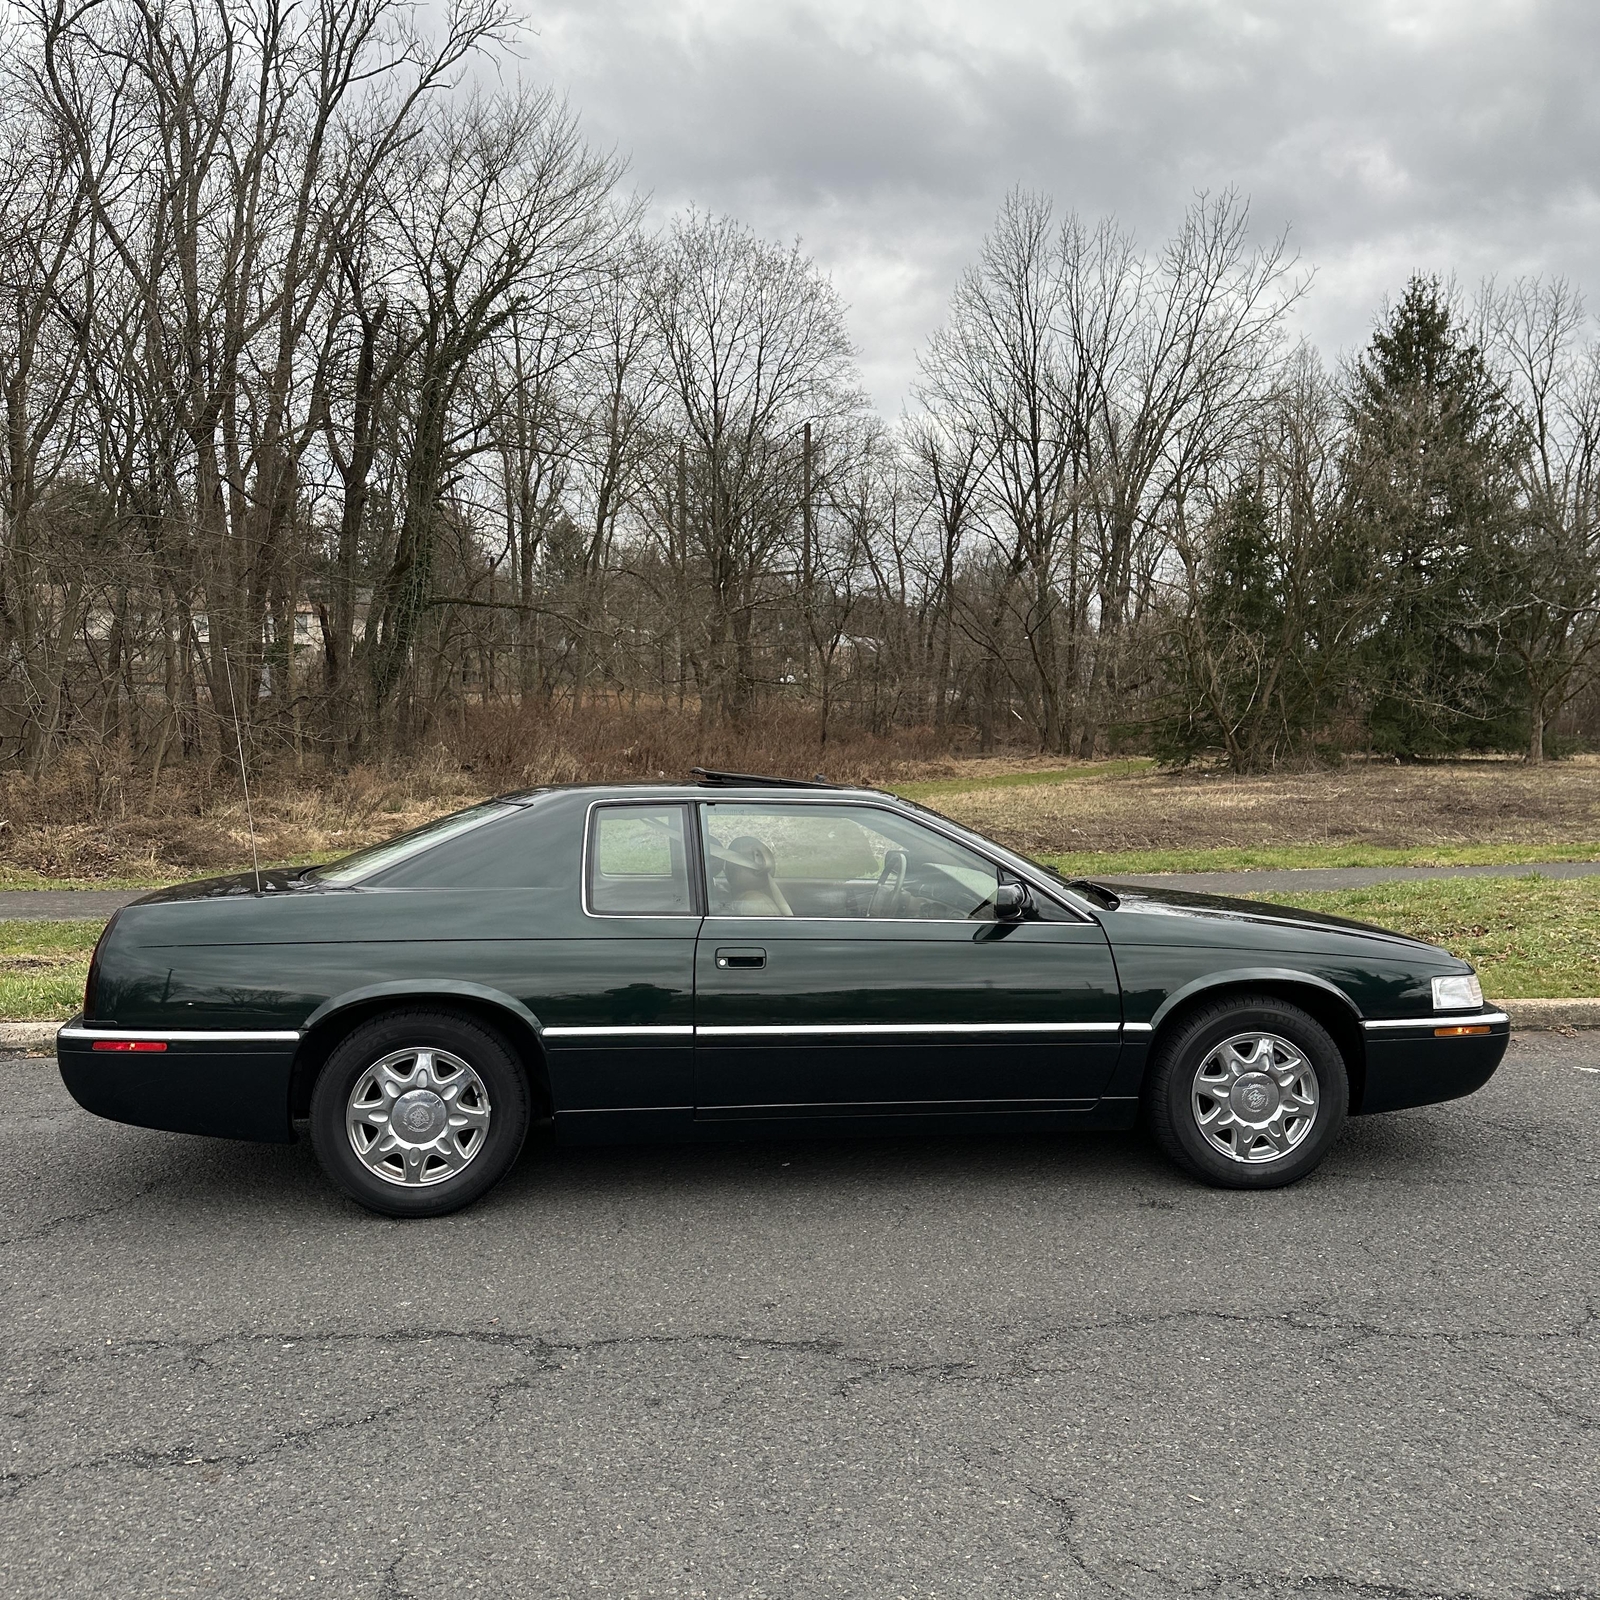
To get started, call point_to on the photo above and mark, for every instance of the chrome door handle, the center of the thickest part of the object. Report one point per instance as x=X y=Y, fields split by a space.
x=745 y=957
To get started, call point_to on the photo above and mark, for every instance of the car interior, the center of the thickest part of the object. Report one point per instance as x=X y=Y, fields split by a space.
x=821 y=863
x=800 y=862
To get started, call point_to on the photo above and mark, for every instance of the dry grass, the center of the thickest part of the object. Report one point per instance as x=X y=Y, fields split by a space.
x=1468 y=803
x=95 y=823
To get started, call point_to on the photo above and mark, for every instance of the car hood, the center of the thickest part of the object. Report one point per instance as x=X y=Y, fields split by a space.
x=1136 y=897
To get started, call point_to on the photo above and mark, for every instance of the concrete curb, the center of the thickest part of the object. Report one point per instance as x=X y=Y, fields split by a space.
x=37 y=1037
x=1527 y=1016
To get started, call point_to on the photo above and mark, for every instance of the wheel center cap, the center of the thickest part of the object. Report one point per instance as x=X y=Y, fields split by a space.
x=1254 y=1097
x=419 y=1115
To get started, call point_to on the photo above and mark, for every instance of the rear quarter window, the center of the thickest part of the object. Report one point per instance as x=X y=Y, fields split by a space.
x=536 y=847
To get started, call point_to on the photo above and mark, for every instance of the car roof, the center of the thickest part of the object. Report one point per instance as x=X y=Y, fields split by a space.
x=675 y=789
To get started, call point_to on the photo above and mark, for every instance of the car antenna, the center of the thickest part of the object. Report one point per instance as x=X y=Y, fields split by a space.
x=244 y=775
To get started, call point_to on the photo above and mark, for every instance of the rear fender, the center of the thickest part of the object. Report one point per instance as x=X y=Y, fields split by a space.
x=334 y=1018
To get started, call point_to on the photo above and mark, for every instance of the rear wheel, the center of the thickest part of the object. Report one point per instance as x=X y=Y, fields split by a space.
x=418 y=1113
x=1249 y=1093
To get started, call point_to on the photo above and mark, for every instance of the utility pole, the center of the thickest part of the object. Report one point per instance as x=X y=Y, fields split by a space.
x=805 y=515
x=805 y=552
x=680 y=560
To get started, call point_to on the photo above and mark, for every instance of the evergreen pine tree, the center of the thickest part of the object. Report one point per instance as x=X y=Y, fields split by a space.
x=1430 y=496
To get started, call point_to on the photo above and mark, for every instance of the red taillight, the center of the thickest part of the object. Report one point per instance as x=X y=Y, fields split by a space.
x=92 y=982
x=130 y=1044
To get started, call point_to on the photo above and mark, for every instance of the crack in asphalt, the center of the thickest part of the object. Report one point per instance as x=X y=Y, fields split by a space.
x=1511 y=1333
x=390 y=1588
x=73 y=1218
x=1316 y=1586
x=546 y=1353
x=1337 y=1587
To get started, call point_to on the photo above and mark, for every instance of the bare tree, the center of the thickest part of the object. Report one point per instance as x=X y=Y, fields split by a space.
x=754 y=346
x=1549 y=619
x=498 y=202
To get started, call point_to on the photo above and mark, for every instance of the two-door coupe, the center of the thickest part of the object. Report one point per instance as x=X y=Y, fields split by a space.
x=746 y=957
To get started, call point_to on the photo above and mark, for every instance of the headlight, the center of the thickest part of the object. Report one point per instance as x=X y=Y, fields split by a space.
x=1457 y=994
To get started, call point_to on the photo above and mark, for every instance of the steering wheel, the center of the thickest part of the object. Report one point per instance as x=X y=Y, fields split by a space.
x=886 y=895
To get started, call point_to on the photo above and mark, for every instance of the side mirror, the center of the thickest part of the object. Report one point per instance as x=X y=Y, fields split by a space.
x=1010 y=901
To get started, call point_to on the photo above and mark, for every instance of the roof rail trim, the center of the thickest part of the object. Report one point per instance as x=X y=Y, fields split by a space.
x=735 y=780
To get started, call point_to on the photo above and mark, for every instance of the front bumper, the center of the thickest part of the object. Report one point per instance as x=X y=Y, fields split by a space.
x=1410 y=1062
x=230 y=1085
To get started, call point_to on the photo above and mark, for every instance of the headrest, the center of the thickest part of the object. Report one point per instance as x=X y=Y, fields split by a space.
x=748 y=851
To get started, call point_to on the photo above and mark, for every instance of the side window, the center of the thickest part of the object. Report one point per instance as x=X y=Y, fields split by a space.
x=638 y=862
x=839 y=861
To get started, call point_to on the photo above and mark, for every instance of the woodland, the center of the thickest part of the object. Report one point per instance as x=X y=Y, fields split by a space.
x=357 y=413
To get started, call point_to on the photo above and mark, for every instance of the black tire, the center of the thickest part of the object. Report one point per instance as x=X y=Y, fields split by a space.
x=474 y=1043
x=1170 y=1102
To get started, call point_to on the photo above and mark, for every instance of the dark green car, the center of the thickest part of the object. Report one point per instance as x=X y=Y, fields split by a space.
x=746 y=957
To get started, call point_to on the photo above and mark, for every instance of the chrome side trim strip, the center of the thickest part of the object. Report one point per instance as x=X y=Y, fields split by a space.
x=766 y=1030
x=1444 y=1019
x=666 y=1031
x=615 y=1111
x=1138 y=1027
x=181 y=1035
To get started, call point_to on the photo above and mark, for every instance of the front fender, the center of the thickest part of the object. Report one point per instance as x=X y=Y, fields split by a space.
x=1242 y=977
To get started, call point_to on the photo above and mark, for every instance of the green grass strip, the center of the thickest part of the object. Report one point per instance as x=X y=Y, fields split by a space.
x=21 y=878
x=1529 y=938
x=1292 y=856
x=25 y=937
x=43 y=966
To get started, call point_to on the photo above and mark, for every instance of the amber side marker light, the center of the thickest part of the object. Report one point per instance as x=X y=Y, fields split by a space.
x=1460 y=1032
x=133 y=1044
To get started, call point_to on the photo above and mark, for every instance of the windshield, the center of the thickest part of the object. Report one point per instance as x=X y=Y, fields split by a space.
x=375 y=858
x=983 y=841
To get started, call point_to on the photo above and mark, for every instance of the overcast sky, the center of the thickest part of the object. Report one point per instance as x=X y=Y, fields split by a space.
x=1388 y=136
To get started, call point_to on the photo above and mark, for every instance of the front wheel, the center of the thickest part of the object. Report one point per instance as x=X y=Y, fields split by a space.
x=1247 y=1093
x=418 y=1113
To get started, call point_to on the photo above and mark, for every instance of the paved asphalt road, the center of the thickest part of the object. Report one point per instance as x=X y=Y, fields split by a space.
x=59 y=905
x=1019 y=1367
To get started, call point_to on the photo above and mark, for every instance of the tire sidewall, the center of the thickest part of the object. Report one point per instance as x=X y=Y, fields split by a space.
x=489 y=1056
x=1191 y=1046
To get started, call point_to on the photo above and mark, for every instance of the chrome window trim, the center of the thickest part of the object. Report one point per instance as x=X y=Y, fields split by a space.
x=180 y=1035
x=583 y=865
x=872 y=802
x=854 y=922
x=1440 y=1019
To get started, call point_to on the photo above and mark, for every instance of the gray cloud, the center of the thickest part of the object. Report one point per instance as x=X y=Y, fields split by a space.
x=1388 y=135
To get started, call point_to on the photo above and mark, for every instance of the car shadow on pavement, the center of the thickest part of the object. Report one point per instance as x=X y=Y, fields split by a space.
x=120 y=1166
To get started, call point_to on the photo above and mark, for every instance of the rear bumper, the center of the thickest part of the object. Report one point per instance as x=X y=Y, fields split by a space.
x=227 y=1085
x=1410 y=1064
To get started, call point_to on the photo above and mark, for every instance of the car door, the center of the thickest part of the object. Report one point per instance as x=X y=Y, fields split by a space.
x=618 y=1002
x=851 y=962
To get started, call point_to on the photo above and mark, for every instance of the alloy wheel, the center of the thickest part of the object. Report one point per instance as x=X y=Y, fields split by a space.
x=1255 y=1097
x=417 y=1116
